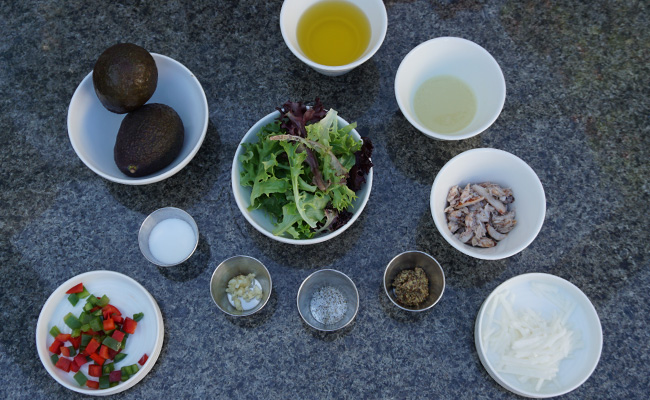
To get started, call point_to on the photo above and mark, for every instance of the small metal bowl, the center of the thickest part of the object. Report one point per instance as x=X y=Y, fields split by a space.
x=336 y=285
x=410 y=260
x=156 y=217
x=232 y=267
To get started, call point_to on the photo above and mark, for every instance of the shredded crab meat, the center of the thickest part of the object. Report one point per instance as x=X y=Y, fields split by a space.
x=479 y=214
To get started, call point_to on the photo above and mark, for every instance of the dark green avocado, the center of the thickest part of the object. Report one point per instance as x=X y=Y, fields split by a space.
x=125 y=77
x=149 y=139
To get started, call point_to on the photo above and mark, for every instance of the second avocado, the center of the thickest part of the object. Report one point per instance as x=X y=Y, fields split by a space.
x=149 y=139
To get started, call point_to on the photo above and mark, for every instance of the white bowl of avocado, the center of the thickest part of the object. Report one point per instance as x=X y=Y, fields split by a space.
x=93 y=129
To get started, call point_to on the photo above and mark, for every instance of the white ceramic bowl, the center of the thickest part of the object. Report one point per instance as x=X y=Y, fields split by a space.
x=130 y=298
x=259 y=219
x=462 y=59
x=583 y=321
x=92 y=129
x=292 y=10
x=507 y=170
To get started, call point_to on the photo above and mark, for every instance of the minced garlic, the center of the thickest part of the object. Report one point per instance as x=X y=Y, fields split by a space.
x=243 y=287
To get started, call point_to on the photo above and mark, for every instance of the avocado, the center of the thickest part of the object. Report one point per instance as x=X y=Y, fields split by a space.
x=149 y=139
x=125 y=77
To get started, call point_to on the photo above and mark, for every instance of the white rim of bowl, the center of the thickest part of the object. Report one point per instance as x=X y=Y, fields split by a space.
x=465 y=249
x=147 y=179
x=416 y=123
x=336 y=68
x=235 y=184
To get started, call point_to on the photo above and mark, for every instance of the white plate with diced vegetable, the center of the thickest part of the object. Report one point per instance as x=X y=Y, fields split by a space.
x=538 y=335
x=94 y=324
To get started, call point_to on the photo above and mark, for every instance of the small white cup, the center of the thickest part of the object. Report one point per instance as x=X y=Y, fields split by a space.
x=462 y=59
x=290 y=15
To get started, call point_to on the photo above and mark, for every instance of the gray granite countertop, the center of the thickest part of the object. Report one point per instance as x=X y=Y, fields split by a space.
x=577 y=111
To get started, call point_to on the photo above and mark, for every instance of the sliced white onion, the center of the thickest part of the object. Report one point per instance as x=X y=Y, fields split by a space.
x=528 y=345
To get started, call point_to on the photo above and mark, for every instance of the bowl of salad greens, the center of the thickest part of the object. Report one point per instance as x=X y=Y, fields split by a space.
x=302 y=174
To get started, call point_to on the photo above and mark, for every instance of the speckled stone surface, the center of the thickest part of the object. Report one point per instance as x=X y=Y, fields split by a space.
x=577 y=111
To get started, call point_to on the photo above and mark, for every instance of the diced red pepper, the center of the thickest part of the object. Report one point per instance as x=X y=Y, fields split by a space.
x=129 y=325
x=92 y=346
x=56 y=347
x=144 y=359
x=92 y=384
x=74 y=367
x=97 y=358
x=115 y=376
x=80 y=359
x=92 y=310
x=63 y=364
x=118 y=335
x=76 y=289
x=103 y=352
x=91 y=332
x=95 y=370
x=63 y=337
x=109 y=325
x=112 y=353
x=76 y=342
x=109 y=310
x=118 y=319
x=64 y=351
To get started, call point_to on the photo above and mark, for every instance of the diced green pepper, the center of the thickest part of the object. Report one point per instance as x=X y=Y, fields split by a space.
x=92 y=300
x=54 y=358
x=55 y=331
x=84 y=318
x=80 y=378
x=84 y=293
x=73 y=299
x=97 y=313
x=119 y=357
x=124 y=378
x=112 y=343
x=108 y=368
x=88 y=306
x=126 y=336
x=103 y=301
x=96 y=324
x=103 y=382
x=113 y=384
x=73 y=351
x=76 y=332
x=137 y=317
x=85 y=339
x=72 y=321
x=125 y=370
x=133 y=369
x=85 y=328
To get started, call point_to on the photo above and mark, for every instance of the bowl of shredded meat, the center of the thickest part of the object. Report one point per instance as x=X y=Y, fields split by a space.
x=488 y=203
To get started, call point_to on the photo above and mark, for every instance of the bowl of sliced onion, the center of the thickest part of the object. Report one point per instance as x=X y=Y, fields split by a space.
x=538 y=335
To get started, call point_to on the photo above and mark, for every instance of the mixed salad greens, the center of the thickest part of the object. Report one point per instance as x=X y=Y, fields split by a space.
x=305 y=169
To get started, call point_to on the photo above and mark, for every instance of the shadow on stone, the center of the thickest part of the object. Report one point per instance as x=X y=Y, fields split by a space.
x=191 y=268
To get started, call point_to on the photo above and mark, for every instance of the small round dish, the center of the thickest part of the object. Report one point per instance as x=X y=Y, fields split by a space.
x=92 y=129
x=130 y=298
x=262 y=221
x=583 y=320
x=179 y=243
x=229 y=269
x=292 y=11
x=461 y=59
x=410 y=260
x=509 y=171
x=328 y=300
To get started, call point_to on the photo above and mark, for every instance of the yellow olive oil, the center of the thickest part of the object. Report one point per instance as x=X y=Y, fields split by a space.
x=445 y=104
x=333 y=32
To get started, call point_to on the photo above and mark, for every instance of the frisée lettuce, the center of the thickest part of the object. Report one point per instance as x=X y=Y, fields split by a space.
x=299 y=168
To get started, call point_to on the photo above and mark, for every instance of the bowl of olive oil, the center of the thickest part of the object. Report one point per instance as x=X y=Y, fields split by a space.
x=450 y=88
x=333 y=36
